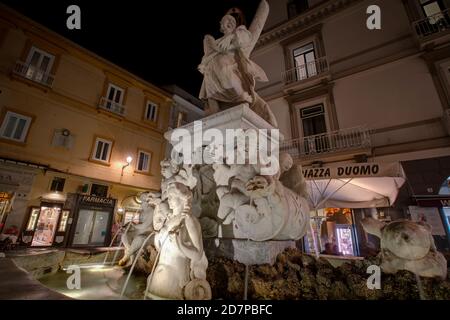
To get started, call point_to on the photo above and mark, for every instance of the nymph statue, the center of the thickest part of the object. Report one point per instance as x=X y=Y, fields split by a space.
x=180 y=271
x=229 y=74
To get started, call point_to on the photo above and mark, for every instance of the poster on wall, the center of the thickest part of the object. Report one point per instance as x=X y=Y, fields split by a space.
x=430 y=216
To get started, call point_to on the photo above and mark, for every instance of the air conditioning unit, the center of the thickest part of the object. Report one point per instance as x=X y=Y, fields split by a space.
x=63 y=138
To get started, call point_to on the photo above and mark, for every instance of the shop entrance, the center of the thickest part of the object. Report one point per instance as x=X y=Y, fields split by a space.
x=91 y=228
x=5 y=205
x=46 y=225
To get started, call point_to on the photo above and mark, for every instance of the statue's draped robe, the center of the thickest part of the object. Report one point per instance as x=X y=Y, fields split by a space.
x=229 y=76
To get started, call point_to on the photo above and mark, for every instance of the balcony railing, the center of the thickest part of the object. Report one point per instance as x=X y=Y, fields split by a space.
x=32 y=73
x=111 y=106
x=434 y=24
x=305 y=71
x=335 y=141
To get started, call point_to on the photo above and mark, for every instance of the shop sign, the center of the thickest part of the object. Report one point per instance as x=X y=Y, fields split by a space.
x=352 y=171
x=97 y=200
x=434 y=202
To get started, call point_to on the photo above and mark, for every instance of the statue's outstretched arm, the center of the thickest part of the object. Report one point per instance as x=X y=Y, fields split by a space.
x=257 y=24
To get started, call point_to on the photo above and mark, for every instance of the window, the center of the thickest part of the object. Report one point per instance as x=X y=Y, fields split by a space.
x=102 y=150
x=57 y=184
x=15 y=126
x=143 y=163
x=151 y=111
x=431 y=7
x=113 y=100
x=34 y=215
x=39 y=64
x=99 y=190
x=313 y=120
x=114 y=95
x=437 y=18
x=314 y=124
x=63 y=221
x=304 y=61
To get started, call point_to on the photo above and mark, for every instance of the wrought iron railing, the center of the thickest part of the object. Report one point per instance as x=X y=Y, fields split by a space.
x=433 y=24
x=305 y=71
x=335 y=141
x=112 y=106
x=33 y=73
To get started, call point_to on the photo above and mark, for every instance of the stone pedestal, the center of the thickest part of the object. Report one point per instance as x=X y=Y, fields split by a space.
x=251 y=201
x=238 y=117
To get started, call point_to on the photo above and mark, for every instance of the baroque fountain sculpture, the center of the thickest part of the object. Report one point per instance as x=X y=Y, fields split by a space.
x=197 y=201
x=225 y=201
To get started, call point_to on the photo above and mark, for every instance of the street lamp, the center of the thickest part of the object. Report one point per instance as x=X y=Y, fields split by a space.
x=129 y=159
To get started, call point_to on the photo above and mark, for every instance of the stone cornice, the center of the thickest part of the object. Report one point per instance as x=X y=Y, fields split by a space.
x=304 y=20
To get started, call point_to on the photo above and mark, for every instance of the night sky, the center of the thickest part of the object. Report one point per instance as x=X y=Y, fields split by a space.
x=160 y=41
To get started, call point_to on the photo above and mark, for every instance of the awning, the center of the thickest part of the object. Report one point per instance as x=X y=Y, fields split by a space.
x=361 y=185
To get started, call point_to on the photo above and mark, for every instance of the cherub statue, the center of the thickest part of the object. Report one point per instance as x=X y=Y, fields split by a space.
x=180 y=272
x=173 y=172
x=229 y=74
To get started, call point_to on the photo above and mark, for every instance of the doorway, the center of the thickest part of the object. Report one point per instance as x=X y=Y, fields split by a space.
x=91 y=228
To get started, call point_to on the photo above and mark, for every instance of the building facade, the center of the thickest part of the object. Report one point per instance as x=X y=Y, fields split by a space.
x=80 y=138
x=345 y=93
x=185 y=109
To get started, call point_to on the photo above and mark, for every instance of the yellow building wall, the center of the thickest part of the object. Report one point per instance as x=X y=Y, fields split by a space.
x=80 y=81
x=72 y=103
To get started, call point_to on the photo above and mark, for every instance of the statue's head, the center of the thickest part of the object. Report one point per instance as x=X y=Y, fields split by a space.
x=169 y=168
x=179 y=198
x=227 y=24
x=286 y=162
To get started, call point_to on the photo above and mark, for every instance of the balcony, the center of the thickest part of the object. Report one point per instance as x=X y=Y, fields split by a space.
x=111 y=106
x=432 y=25
x=32 y=73
x=305 y=71
x=328 y=143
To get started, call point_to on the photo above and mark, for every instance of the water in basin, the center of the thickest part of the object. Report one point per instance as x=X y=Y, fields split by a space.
x=98 y=282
